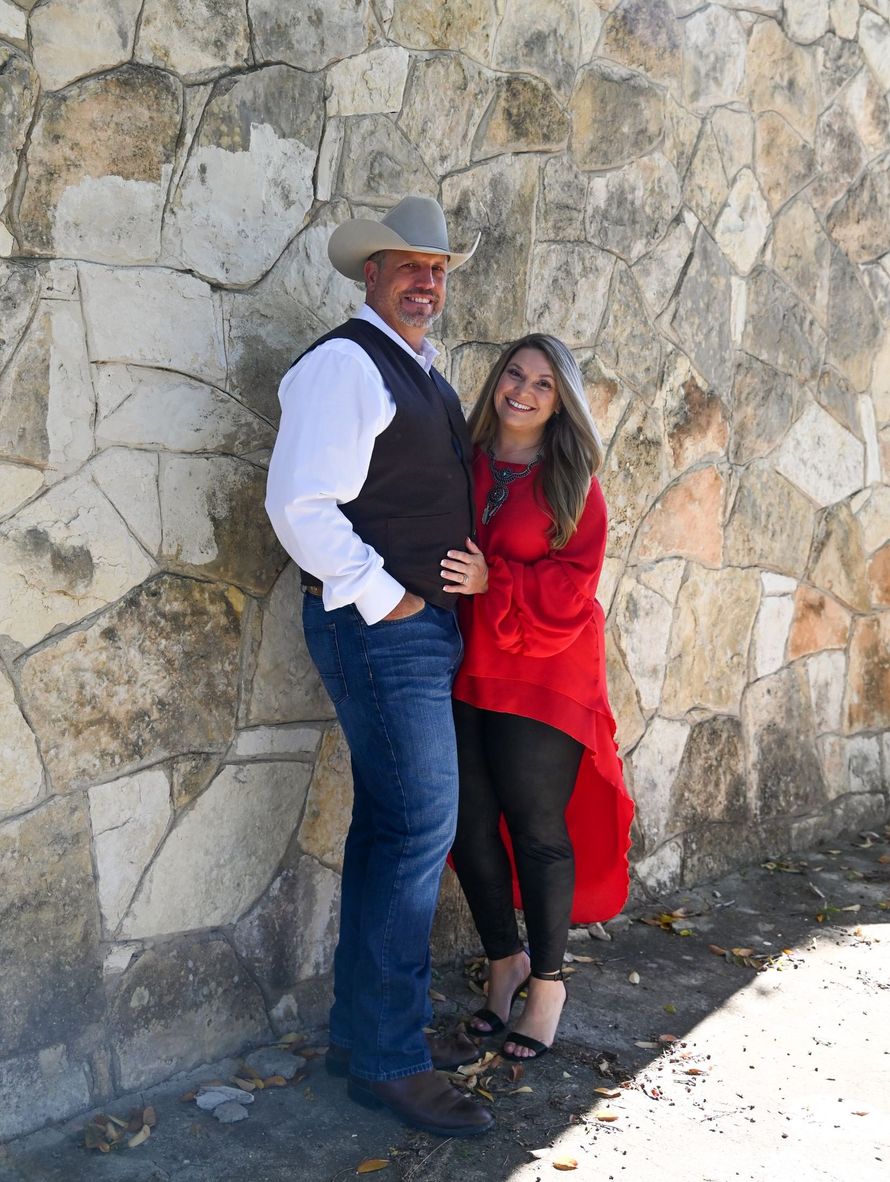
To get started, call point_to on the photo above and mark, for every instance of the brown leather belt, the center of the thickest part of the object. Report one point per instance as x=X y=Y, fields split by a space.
x=310 y=584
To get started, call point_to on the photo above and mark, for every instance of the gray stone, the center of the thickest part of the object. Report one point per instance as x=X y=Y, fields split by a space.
x=681 y=132
x=806 y=20
x=874 y=40
x=655 y=762
x=854 y=331
x=464 y=25
x=523 y=116
x=770 y=525
x=781 y=77
x=783 y=161
x=837 y=559
x=487 y=298
x=309 y=34
x=50 y=988
x=230 y=1112
x=762 y=406
x=616 y=117
x=276 y=742
x=19 y=87
x=191 y=775
x=643 y=621
x=379 y=165
x=801 y=253
x=569 y=291
x=710 y=783
x=705 y=188
x=859 y=223
x=542 y=39
x=627 y=342
x=714 y=61
x=40 y=1087
x=273 y=1061
x=838 y=60
x=780 y=330
x=839 y=151
x=785 y=770
x=180 y=1005
x=629 y=209
x=71 y=40
x=644 y=35
x=213 y=522
x=368 y=83
x=247 y=185
x=328 y=803
x=734 y=131
x=470 y=366
x=153 y=676
x=443 y=133
x=822 y=459
x=658 y=272
x=634 y=472
x=129 y=479
x=103 y=197
x=701 y=314
x=562 y=201
x=19 y=295
x=212 y=1096
x=197 y=39
x=744 y=223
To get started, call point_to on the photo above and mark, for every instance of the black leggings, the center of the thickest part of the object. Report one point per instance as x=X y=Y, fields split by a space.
x=527 y=770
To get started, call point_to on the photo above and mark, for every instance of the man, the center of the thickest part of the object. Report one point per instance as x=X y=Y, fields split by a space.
x=369 y=487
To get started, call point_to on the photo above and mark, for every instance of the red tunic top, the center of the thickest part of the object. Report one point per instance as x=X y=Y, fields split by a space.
x=535 y=647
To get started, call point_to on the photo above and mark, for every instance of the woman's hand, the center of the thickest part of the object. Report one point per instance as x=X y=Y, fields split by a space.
x=465 y=571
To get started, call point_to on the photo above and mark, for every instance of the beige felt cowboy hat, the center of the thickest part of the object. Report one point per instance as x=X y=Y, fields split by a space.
x=416 y=224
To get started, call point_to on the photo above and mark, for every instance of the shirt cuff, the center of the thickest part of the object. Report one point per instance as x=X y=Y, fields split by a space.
x=380 y=596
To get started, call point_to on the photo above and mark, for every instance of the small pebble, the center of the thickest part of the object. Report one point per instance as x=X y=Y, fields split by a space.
x=230 y=1111
x=598 y=932
x=212 y=1097
x=273 y=1061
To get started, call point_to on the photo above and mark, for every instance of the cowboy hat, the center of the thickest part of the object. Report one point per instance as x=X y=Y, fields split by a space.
x=416 y=224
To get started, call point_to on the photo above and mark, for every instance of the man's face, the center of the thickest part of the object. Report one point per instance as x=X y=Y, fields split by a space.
x=407 y=288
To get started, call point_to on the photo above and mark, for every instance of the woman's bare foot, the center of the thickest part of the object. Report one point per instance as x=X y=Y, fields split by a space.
x=540 y=1017
x=504 y=978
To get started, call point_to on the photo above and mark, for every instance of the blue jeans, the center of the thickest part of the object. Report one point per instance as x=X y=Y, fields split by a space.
x=390 y=683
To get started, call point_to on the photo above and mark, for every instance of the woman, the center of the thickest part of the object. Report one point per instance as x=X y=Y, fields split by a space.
x=541 y=781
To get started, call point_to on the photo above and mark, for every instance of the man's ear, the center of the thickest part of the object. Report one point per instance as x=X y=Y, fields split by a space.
x=371 y=269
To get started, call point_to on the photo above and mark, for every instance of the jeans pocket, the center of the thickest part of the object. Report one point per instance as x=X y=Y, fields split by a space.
x=321 y=641
x=402 y=620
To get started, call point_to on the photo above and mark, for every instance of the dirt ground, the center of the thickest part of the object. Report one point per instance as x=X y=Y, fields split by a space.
x=675 y=1061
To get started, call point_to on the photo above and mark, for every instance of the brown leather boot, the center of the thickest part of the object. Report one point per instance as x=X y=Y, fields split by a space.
x=454 y=1050
x=426 y=1101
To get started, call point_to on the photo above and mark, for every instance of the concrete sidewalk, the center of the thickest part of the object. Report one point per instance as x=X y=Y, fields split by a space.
x=773 y=1074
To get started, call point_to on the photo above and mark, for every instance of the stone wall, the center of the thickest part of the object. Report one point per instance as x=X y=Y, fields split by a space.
x=695 y=196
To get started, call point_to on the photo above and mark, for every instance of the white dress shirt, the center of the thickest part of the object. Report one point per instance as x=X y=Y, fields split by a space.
x=334 y=404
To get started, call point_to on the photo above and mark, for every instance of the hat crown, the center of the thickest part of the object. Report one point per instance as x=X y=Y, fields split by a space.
x=420 y=222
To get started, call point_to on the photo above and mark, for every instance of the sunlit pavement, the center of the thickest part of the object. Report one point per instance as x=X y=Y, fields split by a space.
x=708 y=1070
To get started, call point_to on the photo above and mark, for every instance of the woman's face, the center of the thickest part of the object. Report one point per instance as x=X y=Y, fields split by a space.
x=525 y=396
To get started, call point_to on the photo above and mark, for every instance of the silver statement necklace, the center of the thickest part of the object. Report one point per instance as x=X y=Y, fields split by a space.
x=503 y=478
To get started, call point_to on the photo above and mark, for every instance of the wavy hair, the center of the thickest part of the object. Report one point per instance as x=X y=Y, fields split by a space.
x=572 y=448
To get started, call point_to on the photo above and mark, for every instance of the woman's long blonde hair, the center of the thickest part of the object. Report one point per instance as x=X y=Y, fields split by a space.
x=572 y=447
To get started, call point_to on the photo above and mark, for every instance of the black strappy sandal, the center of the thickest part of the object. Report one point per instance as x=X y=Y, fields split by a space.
x=489 y=1016
x=524 y=1040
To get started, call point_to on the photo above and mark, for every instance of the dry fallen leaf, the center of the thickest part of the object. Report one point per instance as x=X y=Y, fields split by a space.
x=670 y=1008
x=648 y=1046
x=187 y=1097
x=694 y=1071
x=607 y=1115
x=520 y=1091
x=716 y=949
x=565 y=1163
x=852 y=907
x=291 y=1038
x=371 y=1164
x=515 y=1072
x=150 y=1117
x=609 y=1093
x=141 y=1137
x=480 y=1091
x=583 y=959
x=246 y=1085
x=436 y=996
x=742 y=951
x=275 y=1081
x=884 y=859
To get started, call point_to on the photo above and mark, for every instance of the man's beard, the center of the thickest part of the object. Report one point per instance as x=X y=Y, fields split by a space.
x=417 y=319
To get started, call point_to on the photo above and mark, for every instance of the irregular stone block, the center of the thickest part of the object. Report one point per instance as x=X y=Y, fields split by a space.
x=542 y=39
x=705 y=189
x=734 y=132
x=714 y=58
x=103 y=198
x=19 y=87
x=806 y=20
x=708 y=660
x=465 y=25
x=687 y=520
x=369 y=83
x=744 y=224
x=309 y=34
x=40 y=1087
x=179 y=1006
x=661 y=870
x=50 y=987
x=771 y=523
x=696 y=425
x=681 y=132
x=780 y=330
x=129 y=478
x=644 y=35
x=63 y=556
x=616 y=115
x=191 y=775
x=19 y=296
x=874 y=518
x=443 y=135
x=657 y=273
x=211 y=1097
x=569 y=292
x=656 y=760
x=821 y=458
x=487 y=298
x=607 y=397
x=644 y=620
x=379 y=165
x=826 y=675
x=710 y=782
x=837 y=561
x=701 y=316
x=523 y=115
x=785 y=771
x=71 y=40
x=663 y=576
x=879 y=577
x=762 y=405
x=819 y=623
x=328 y=803
x=17 y=485
x=801 y=253
x=623 y=699
x=273 y=1061
x=629 y=210
x=197 y=39
x=839 y=151
x=627 y=342
x=854 y=330
x=289 y=742
x=771 y=634
x=291 y=933
x=783 y=161
x=153 y=676
x=634 y=473
x=470 y=366
x=22 y=780
x=859 y=223
x=874 y=40
x=781 y=77
x=247 y=185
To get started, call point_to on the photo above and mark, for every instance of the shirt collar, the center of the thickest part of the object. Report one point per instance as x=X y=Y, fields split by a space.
x=428 y=353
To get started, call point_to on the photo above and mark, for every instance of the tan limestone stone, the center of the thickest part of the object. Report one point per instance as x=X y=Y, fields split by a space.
x=781 y=77
x=664 y=576
x=801 y=252
x=627 y=341
x=657 y=273
x=629 y=209
x=820 y=458
x=523 y=115
x=714 y=58
x=785 y=773
x=656 y=760
x=854 y=330
x=368 y=83
x=844 y=15
x=819 y=623
x=687 y=520
x=874 y=518
x=103 y=197
x=696 y=423
x=22 y=781
x=734 y=131
x=443 y=137
x=607 y=397
x=19 y=85
x=328 y=803
x=744 y=223
x=837 y=561
x=470 y=366
x=561 y=204
x=633 y=475
x=17 y=484
x=701 y=314
x=129 y=479
x=644 y=35
x=837 y=396
x=868 y=110
x=806 y=20
x=276 y=742
x=71 y=40
x=622 y=697
x=197 y=39
x=705 y=188
x=783 y=161
x=771 y=634
x=542 y=39
x=310 y=34
x=190 y=775
x=781 y=330
x=617 y=116
x=859 y=223
x=643 y=619
x=153 y=676
x=874 y=39
x=879 y=577
x=826 y=672
x=867 y=697
x=770 y=525
x=681 y=132
x=19 y=296
x=569 y=292
x=707 y=664
x=379 y=164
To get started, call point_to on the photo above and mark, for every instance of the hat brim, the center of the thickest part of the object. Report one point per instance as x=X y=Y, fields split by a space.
x=352 y=243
